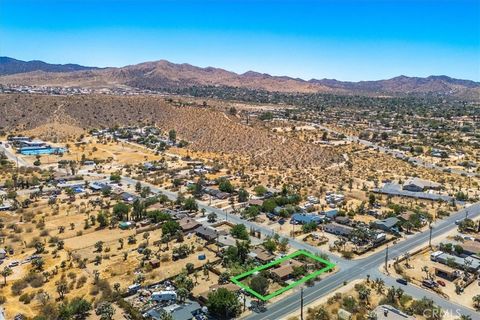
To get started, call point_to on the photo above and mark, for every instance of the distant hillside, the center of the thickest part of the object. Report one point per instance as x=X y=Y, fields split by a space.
x=404 y=84
x=14 y=66
x=164 y=75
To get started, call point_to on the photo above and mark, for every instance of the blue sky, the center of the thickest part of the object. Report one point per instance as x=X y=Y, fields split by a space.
x=346 y=40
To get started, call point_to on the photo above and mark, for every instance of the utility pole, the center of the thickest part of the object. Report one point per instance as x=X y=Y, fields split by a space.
x=430 y=239
x=386 y=259
x=301 y=303
x=244 y=300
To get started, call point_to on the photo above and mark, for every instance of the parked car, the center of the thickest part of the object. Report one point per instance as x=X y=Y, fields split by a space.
x=13 y=264
x=429 y=284
x=440 y=282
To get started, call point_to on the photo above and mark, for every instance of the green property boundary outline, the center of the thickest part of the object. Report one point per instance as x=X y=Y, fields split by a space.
x=328 y=266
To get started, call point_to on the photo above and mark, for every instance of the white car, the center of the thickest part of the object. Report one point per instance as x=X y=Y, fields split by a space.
x=13 y=264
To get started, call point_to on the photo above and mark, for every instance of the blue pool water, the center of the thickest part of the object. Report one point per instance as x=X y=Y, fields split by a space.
x=34 y=152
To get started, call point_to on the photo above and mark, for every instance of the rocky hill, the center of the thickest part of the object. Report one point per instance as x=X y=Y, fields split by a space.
x=164 y=75
x=14 y=66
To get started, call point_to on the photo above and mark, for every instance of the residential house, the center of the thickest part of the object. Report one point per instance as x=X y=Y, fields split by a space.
x=184 y=311
x=298 y=218
x=262 y=255
x=331 y=214
x=128 y=197
x=155 y=207
x=419 y=185
x=226 y=241
x=446 y=272
x=388 y=224
x=338 y=229
x=387 y=312
x=188 y=225
x=229 y=286
x=285 y=270
x=98 y=186
x=343 y=220
x=406 y=216
x=472 y=264
x=208 y=233
x=471 y=247
x=216 y=193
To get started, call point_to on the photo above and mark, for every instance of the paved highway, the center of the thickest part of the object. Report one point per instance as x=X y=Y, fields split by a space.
x=12 y=156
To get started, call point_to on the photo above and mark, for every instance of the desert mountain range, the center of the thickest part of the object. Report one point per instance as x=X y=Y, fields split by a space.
x=164 y=75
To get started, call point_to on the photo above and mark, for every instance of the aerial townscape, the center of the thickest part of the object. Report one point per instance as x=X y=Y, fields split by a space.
x=167 y=191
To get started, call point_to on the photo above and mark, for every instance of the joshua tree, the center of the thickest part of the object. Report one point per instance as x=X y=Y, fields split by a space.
x=182 y=294
x=146 y=236
x=206 y=272
x=99 y=246
x=5 y=273
x=476 y=301
x=62 y=288
x=427 y=273
x=105 y=311
x=380 y=284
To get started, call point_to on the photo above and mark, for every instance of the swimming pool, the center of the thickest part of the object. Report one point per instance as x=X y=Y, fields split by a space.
x=34 y=152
